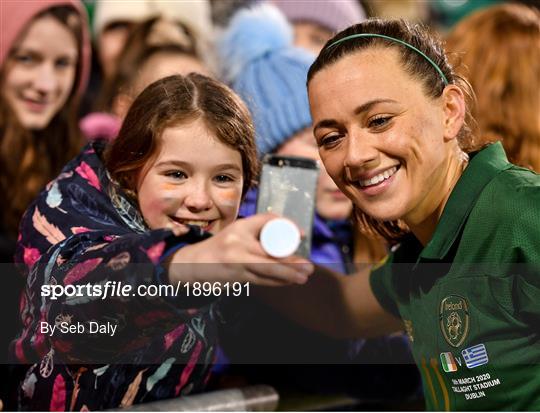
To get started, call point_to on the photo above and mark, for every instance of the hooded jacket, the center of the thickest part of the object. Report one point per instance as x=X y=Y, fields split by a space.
x=14 y=20
x=83 y=230
x=16 y=16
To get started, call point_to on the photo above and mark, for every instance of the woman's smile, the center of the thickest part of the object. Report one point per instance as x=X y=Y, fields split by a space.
x=379 y=144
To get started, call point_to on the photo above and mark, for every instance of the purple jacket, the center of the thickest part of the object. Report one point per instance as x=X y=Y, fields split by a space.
x=331 y=243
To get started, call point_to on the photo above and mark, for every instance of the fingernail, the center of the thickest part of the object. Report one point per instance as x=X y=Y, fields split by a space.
x=301 y=279
x=307 y=269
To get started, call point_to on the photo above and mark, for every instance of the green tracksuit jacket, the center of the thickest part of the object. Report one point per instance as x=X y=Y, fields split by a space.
x=470 y=299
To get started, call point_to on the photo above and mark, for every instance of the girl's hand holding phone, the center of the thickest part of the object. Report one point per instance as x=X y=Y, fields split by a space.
x=235 y=254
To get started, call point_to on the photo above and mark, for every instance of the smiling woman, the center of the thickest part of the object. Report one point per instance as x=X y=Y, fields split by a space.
x=390 y=120
x=389 y=138
x=384 y=153
x=40 y=72
x=44 y=63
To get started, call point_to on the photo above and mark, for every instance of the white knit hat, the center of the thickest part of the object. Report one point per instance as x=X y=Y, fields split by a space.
x=194 y=14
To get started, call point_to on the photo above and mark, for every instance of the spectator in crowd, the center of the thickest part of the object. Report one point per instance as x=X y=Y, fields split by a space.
x=44 y=59
x=269 y=72
x=140 y=212
x=497 y=50
x=112 y=24
x=410 y=10
x=114 y=19
x=155 y=48
x=223 y=11
x=315 y=22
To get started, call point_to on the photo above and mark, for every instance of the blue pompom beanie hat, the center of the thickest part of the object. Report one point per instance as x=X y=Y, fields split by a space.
x=259 y=61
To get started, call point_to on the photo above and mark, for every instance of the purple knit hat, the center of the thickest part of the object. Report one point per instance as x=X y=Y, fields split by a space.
x=331 y=14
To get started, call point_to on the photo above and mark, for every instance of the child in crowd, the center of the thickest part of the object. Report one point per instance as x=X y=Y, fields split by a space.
x=155 y=48
x=44 y=63
x=132 y=213
x=314 y=22
x=497 y=49
x=269 y=73
x=113 y=21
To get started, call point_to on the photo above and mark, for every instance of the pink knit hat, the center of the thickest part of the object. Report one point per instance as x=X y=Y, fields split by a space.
x=331 y=14
x=15 y=16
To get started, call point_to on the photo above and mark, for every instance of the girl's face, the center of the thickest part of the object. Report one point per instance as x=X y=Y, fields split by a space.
x=331 y=203
x=386 y=145
x=195 y=179
x=40 y=72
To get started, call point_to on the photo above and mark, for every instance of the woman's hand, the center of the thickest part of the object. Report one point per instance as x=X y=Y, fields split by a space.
x=235 y=254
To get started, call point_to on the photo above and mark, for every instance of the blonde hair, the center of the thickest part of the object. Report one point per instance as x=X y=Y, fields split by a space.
x=498 y=51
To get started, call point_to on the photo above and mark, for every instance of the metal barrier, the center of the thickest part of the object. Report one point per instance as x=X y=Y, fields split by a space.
x=248 y=399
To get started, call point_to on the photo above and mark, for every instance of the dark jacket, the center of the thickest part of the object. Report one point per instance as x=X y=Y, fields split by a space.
x=83 y=229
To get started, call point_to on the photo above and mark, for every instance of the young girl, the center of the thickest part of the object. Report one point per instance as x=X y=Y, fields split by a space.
x=132 y=214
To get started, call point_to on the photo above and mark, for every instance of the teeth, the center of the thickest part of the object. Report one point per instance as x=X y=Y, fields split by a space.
x=39 y=102
x=193 y=222
x=379 y=178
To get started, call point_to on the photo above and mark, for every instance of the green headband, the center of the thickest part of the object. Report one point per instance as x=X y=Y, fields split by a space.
x=392 y=39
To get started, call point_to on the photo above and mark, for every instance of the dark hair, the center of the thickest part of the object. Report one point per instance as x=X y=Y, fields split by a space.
x=175 y=100
x=413 y=62
x=29 y=159
x=416 y=66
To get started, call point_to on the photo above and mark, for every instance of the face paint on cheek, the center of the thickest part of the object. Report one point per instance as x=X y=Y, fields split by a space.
x=167 y=197
x=167 y=187
x=229 y=197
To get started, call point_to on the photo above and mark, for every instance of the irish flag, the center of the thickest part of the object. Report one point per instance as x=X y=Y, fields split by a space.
x=448 y=362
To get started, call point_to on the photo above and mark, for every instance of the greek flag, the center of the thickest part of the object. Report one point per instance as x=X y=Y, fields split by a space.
x=475 y=356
